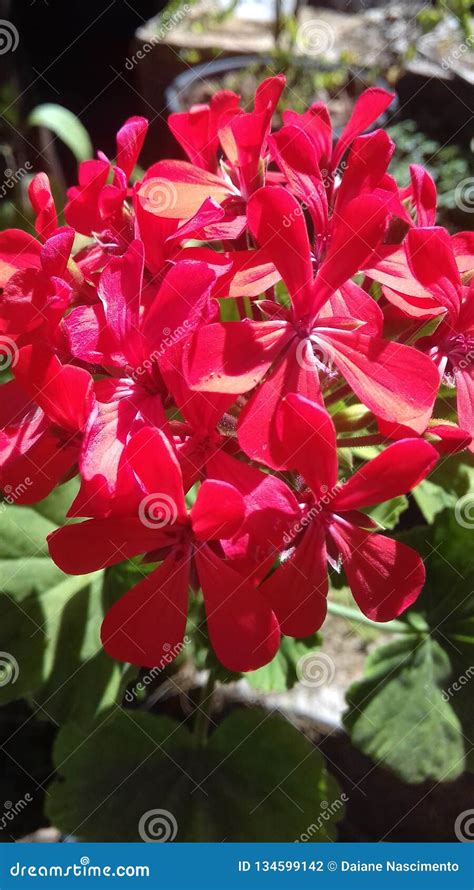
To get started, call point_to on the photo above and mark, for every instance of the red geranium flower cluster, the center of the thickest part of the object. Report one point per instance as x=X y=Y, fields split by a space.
x=228 y=323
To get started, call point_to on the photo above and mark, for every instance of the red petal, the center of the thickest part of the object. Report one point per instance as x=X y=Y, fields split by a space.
x=130 y=139
x=395 y=471
x=42 y=201
x=146 y=625
x=465 y=402
x=243 y=629
x=385 y=576
x=431 y=259
x=424 y=195
x=64 y=392
x=151 y=456
x=297 y=589
x=177 y=189
x=218 y=511
x=18 y=250
x=369 y=106
x=88 y=546
x=307 y=430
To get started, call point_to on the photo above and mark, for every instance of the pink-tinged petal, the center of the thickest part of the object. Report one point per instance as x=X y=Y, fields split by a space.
x=120 y=290
x=88 y=546
x=260 y=425
x=148 y=622
x=153 y=231
x=465 y=401
x=397 y=382
x=268 y=93
x=395 y=471
x=233 y=356
x=296 y=155
x=152 y=458
x=89 y=338
x=18 y=250
x=42 y=201
x=423 y=195
x=297 y=589
x=389 y=268
x=246 y=273
x=277 y=222
x=357 y=231
x=317 y=124
x=243 y=628
x=270 y=511
x=366 y=166
x=369 y=106
x=448 y=439
x=177 y=189
x=182 y=303
x=64 y=392
x=56 y=251
x=218 y=511
x=82 y=209
x=462 y=244
x=34 y=460
x=432 y=263
x=196 y=129
x=130 y=139
x=307 y=429
x=385 y=576
x=350 y=301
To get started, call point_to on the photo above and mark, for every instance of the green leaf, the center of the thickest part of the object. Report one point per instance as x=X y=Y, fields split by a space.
x=280 y=674
x=388 y=513
x=412 y=710
x=51 y=649
x=447 y=483
x=257 y=779
x=66 y=126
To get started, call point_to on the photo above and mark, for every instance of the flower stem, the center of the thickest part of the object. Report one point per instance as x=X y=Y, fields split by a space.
x=385 y=626
x=201 y=720
x=360 y=441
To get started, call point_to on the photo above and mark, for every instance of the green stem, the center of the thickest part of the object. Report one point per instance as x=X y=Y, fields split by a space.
x=201 y=720
x=360 y=441
x=385 y=626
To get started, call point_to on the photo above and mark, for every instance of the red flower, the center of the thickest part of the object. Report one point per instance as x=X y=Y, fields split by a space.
x=385 y=576
x=150 y=619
